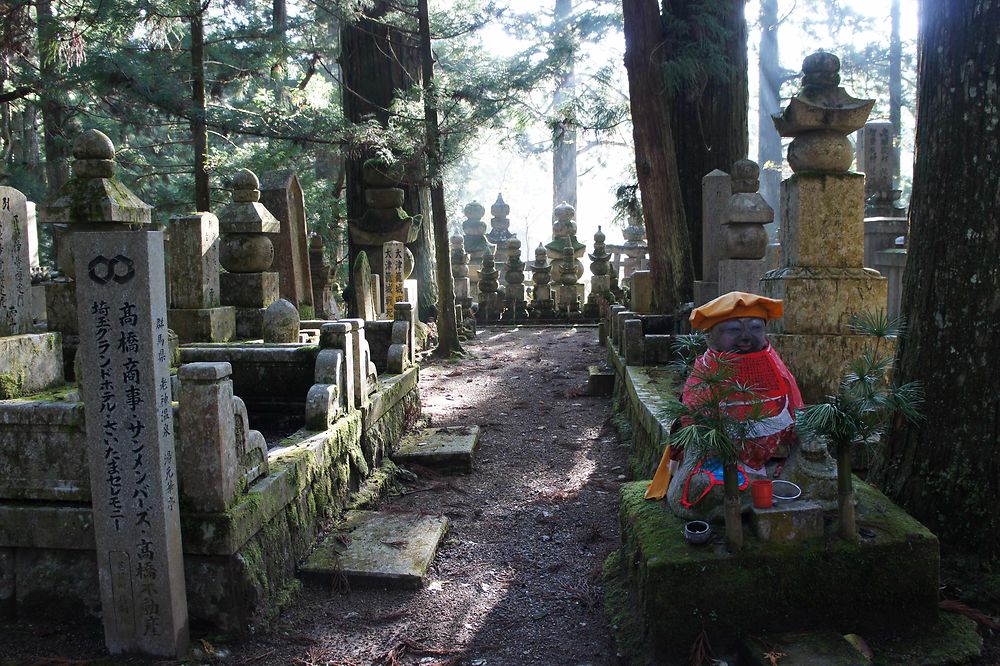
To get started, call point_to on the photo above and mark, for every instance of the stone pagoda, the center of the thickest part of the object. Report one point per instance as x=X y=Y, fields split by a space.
x=489 y=299
x=564 y=253
x=822 y=279
x=541 y=277
x=635 y=249
x=744 y=238
x=600 y=271
x=460 y=272
x=500 y=234
x=516 y=305
x=246 y=253
x=476 y=244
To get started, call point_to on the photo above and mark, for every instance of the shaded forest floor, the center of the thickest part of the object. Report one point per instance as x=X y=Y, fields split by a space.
x=517 y=580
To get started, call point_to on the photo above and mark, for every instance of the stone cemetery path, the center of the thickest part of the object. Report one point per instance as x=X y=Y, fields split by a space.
x=517 y=580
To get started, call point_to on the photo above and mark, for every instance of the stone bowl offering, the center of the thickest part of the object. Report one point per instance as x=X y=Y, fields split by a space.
x=785 y=491
x=697 y=532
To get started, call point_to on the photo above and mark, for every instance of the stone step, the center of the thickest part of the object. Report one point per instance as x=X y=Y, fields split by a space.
x=600 y=379
x=390 y=550
x=441 y=449
x=818 y=648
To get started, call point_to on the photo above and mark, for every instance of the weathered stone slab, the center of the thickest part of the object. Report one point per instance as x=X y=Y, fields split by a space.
x=600 y=380
x=392 y=270
x=204 y=325
x=391 y=550
x=821 y=300
x=447 y=449
x=740 y=275
x=819 y=648
x=29 y=364
x=716 y=188
x=281 y=194
x=194 y=261
x=60 y=308
x=125 y=382
x=249 y=290
x=642 y=292
x=821 y=220
x=40 y=453
x=788 y=522
x=15 y=264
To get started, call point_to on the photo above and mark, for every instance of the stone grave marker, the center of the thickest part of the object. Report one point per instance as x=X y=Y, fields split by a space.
x=281 y=194
x=195 y=314
x=15 y=264
x=364 y=301
x=393 y=274
x=121 y=299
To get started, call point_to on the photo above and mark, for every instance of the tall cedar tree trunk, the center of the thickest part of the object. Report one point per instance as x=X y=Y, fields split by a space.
x=769 y=69
x=447 y=321
x=198 y=124
x=946 y=470
x=376 y=61
x=564 y=133
x=54 y=111
x=655 y=158
x=710 y=123
x=895 y=89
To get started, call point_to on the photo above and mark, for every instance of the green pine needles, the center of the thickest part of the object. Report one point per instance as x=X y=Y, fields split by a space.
x=861 y=410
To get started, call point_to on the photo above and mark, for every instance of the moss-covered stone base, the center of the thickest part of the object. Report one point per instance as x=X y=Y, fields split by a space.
x=883 y=583
x=239 y=566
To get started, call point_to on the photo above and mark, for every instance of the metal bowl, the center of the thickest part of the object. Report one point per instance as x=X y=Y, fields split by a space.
x=697 y=532
x=785 y=491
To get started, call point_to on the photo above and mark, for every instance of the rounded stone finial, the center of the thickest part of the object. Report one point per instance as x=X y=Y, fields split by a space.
x=94 y=154
x=500 y=208
x=474 y=210
x=93 y=145
x=600 y=236
x=246 y=186
x=281 y=322
x=245 y=179
x=746 y=176
x=821 y=68
x=564 y=212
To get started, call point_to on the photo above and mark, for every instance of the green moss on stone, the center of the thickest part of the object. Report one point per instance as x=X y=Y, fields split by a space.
x=886 y=582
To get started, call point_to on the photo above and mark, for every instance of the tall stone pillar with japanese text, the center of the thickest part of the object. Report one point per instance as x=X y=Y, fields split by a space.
x=393 y=274
x=125 y=383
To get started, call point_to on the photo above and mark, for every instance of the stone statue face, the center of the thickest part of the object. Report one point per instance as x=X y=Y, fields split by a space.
x=743 y=335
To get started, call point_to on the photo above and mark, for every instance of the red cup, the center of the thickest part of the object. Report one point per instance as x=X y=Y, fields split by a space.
x=761 y=492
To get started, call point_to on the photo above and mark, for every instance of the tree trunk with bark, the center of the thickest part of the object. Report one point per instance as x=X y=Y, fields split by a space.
x=769 y=75
x=564 y=132
x=54 y=111
x=447 y=319
x=895 y=88
x=198 y=124
x=376 y=61
x=670 y=260
x=946 y=469
x=709 y=122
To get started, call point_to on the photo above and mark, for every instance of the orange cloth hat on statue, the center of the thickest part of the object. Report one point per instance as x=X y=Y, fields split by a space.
x=734 y=305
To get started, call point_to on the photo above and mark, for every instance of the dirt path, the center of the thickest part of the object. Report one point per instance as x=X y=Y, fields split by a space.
x=517 y=580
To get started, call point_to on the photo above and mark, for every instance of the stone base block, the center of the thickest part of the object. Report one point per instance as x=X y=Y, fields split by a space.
x=389 y=550
x=788 y=522
x=821 y=220
x=741 y=275
x=822 y=300
x=705 y=291
x=30 y=363
x=248 y=290
x=818 y=362
x=250 y=323
x=600 y=284
x=445 y=450
x=887 y=582
x=600 y=380
x=60 y=307
x=569 y=295
x=641 y=300
x=203 y=325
